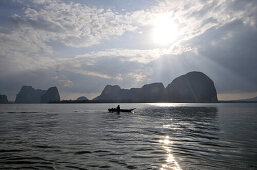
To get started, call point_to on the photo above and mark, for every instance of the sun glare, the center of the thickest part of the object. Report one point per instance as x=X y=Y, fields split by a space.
x=165 y=31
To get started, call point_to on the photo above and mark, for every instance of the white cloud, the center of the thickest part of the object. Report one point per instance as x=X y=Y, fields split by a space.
x=78 y=25
x=194 y=18
x=75 y=24
x=139 y=77
x=26 y=46
x=135 y=55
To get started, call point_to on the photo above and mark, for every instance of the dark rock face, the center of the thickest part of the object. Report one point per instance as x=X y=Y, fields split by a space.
x=110 y=93
x=150 y=92
x=192 y=87
x=51 y=95
x=28 y=94
x=153 y=92
x=82 y=98
x=3 y=99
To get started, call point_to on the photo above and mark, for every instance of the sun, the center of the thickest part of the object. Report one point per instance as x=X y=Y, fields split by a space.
x=165 y=31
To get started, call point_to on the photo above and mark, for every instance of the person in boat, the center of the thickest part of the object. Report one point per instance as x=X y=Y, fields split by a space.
x=118 y=108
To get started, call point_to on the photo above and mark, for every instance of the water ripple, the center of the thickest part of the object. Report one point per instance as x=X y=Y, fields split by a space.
x=154 y=137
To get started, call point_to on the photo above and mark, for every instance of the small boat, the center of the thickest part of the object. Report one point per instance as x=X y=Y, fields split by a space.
x=120 y=110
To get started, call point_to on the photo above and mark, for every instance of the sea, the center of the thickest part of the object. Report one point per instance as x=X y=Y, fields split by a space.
x=154 y=136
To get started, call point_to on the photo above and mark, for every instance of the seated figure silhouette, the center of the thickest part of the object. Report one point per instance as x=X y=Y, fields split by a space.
x=118 y=108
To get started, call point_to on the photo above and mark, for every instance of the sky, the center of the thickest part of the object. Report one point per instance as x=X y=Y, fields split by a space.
x=81 y=46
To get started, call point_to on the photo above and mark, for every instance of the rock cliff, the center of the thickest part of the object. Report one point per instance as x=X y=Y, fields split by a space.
x=110 y=93
x=51 y=95
x=28 y=94
x=192 y=87
x=3 y=99
x=150 y=92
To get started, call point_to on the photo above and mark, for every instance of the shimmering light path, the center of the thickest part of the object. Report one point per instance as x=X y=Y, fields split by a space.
x=155 y=136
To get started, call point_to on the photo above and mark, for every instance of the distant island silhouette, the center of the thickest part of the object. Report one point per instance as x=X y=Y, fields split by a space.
x=193 y=87
x=28 y=94
x=82 y=98
x=3 y=99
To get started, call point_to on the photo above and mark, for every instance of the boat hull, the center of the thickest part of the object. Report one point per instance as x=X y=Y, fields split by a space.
x=120 y=110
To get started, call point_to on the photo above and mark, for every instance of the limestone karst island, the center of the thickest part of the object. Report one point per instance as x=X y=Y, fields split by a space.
x=193 y=87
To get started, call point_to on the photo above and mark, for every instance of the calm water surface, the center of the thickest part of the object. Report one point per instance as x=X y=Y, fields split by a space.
x=155 y=136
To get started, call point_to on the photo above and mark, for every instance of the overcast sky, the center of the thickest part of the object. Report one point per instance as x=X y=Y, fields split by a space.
x=81 y=46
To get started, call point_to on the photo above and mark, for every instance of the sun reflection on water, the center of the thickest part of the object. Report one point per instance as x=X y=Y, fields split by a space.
x=171 y=162
x=167 y=104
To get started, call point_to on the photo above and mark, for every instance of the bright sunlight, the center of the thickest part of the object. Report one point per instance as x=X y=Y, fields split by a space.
x=165 y=31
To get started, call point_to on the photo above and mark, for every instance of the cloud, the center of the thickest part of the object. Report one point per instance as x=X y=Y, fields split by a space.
x=115 y=65
x=233 y=47
x=134 y=55
x=220 y=36
x=25 y=46
x=227 y=55
x=215 y=36
x=74 y=24
x=194 y=18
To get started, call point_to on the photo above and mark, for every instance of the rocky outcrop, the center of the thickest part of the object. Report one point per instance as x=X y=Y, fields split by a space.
x=51 y=95
x=192 y=87
x=28 y=94
x=3 y=99
x=150 y=92
x=82 y=98
x=110 y=93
